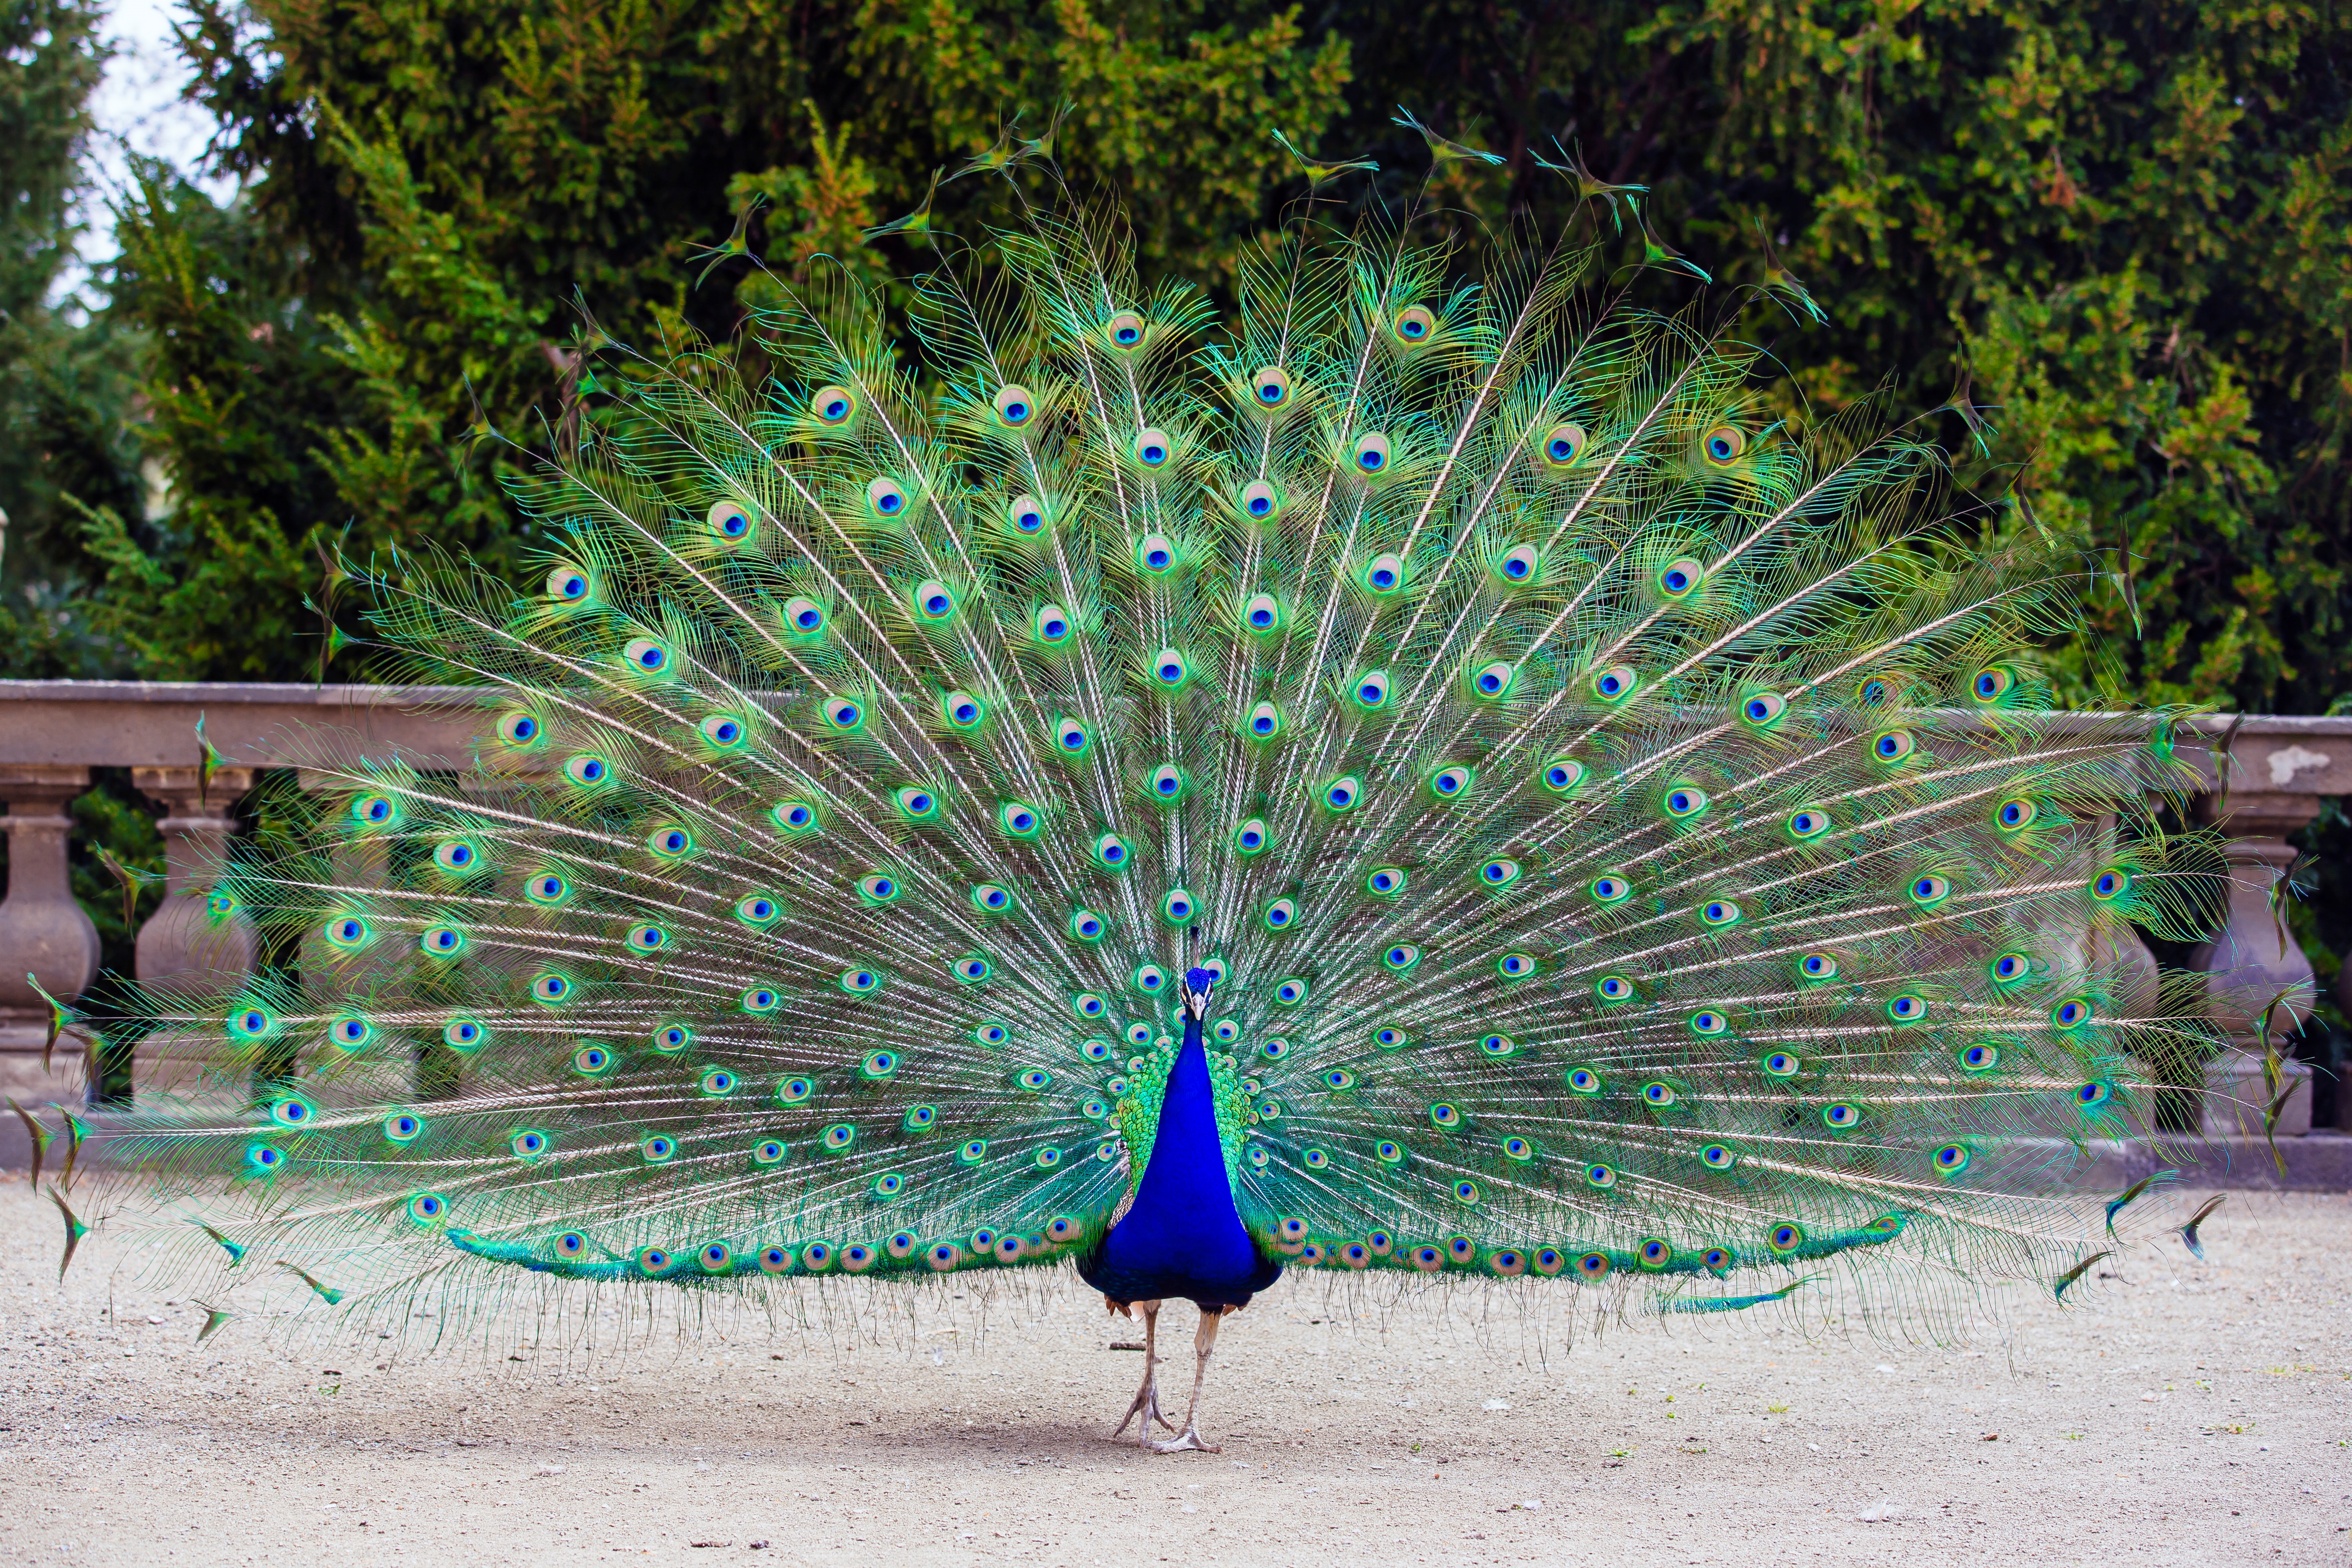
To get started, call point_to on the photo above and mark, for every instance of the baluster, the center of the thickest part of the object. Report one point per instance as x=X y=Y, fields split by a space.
x=43 y=933
x=182 y=942
x=2252 y=960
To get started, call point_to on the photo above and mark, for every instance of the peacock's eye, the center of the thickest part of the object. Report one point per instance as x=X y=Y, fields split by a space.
x=1015 y=408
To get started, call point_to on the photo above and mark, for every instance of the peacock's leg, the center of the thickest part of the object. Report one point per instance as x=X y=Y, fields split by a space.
x=1146 y=1403
x=1204 y=1339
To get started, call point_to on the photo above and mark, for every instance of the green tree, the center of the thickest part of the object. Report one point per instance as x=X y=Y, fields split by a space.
x=63 y=385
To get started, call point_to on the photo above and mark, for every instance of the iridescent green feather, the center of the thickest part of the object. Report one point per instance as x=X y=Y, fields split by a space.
x=1634 y=839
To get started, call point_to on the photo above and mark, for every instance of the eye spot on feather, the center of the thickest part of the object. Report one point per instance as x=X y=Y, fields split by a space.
x=728 y=520
x=1763 y=708
x=1808 y=823
x=1370 y=453
x=834 y=405
x=1025 y=516
x=1718 y=1156
x=672 y=1038
x=1785 y=1237
x=1682 y=802
x=1124 y=330
x=2071 y=1014
x=1980 y=1058
x=1270 y=387
x=1610 y=889
x=1593 y=1268
x=1679 y=579
x=1841 y=1117
x=568 y=585
x=2010 y=967
x=1614 y=988
x=1906 y=1008
x=1562 y=444
x=885 y=495
x=1289 y=991
x=1782 y=1064
x=1615 y=683
x=1153 y=448
x=1723 y=444
x=1015 y=406
x=1414 y=325
x=2110 y=885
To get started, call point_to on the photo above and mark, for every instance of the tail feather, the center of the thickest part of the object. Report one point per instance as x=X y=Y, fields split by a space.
x=1634 y=835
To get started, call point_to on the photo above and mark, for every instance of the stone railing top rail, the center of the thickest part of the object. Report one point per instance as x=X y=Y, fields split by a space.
x=152 y=723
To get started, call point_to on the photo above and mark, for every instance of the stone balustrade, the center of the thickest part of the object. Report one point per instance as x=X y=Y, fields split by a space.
x=2267 y=776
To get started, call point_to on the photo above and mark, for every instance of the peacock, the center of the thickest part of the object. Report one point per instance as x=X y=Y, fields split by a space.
x=1400 y=767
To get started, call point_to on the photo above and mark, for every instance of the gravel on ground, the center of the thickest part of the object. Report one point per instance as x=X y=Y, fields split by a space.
x=2173 y=1412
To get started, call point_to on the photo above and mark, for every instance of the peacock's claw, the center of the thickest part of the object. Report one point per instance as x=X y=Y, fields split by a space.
x=1146 y=1402
x=1191 y=1440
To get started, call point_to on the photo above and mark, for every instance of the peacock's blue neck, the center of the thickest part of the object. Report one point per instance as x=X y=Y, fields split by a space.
x=1183 y=1235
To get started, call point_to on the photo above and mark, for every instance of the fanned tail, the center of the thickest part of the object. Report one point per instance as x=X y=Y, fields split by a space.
x=1632 y=835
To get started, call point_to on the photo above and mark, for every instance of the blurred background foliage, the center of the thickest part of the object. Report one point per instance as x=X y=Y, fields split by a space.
x=2124 y=227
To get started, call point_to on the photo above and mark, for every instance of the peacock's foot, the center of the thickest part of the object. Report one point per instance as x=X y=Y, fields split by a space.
x=1190 y=1439
x=1203 y=1341
x=1146 y=1403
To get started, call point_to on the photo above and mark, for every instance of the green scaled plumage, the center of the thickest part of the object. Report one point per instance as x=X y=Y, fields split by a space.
x=1631 y=838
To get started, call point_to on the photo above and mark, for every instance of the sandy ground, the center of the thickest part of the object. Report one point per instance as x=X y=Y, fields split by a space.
x=2182 y=1413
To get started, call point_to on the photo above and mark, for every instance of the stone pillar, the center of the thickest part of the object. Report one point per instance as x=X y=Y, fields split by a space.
x=44 y=933
x=2252 y=959
x=181 y=942
x=181 y=938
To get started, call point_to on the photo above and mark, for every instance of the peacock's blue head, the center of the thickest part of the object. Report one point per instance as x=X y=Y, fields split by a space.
x=1198 y=982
